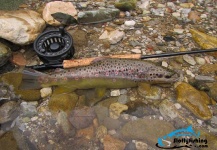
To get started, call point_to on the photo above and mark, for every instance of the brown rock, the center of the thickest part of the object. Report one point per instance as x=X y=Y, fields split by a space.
x=18 y=59
x=88 y=133
x=192 y=99
x=111 y=143
x=194 y=16
x=208 y=69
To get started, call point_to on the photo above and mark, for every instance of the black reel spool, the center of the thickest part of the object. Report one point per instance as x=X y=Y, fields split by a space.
x=54 y=46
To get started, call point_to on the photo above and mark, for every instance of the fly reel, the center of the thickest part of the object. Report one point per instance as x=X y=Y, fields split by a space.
x=54 y=46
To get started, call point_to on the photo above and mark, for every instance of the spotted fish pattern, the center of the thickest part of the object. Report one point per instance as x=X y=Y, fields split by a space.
x=103 y=72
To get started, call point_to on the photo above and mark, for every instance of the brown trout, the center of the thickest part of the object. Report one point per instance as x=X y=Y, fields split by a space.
x=106 y=73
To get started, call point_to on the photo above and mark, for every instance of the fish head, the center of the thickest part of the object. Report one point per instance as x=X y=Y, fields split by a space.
x=162 y=75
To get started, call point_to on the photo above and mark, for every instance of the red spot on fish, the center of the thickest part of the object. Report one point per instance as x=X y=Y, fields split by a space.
x=116 y=72
x=107 y=73
x=65 y=78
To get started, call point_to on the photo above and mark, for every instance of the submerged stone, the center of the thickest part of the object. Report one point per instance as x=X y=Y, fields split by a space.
x=5 y=53
x=193 y=100
x=111 y=143
x=27 y=95
x=149 y=130
x=208 y=69
x=97 y=16
x=64 y=102
x=126 y=5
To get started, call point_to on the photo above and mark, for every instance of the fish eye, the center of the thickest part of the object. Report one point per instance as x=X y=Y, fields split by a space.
x=167 y=76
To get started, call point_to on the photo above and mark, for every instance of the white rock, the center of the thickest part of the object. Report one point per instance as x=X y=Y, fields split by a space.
x=45 y=92
x=141 y=145
x=176 y=14
x=200 y=61
x=115 y=93
x=34 y=118
x=21 y=26
x=188 y=72
x=199 y=121
x=145 y=4
x=116 y=36
x=130 y=23
x=136 y=50
x=138 y=32
x=178 y=106
x=203 y=16
x=164 y=64
x=179 y=31
x=57 y=6
x=189 y=59
x=104 y=35
x=113 y=37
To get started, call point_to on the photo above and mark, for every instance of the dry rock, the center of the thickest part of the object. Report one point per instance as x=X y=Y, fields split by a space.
x=57 y=6
x=113 y=37
x=20 y=26
x=46 y=92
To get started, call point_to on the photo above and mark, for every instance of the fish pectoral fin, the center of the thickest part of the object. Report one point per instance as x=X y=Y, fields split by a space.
x=62 y=89
x=100 y=92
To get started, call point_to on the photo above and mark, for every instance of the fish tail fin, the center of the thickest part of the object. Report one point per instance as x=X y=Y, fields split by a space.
x=30 y=79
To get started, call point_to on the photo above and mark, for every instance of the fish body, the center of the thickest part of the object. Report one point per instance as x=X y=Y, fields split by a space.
x=106 y=73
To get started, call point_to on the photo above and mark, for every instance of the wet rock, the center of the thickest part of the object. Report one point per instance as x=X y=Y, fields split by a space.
x=200 y=61
x=8 y=142
x=149 y=130
x=20 y=26
x=27 y=95
x=140 y=109
x=8 y=111
x=79 y=37
x=189 y=59
x=192 y=99
x=82 y=117
x=168 y=110
x=97 y=16
x=211 y=138
x=141 y=145
x=115 y=93
x=204 y=78
x=62 y=120
x=208 y=69
x=87 y=133
x=101 y=132
x=204 y=40
x=110 y=123
x=28 y=109
x=65 y=102
x=112 y=143
x=57 y=6
x=116 y=109
x=179 y=123
x=18 y=59
x=123 y=99
x=113 y=37
x=101 y=113
x=213 y=91
x=130 y=146
x=45 y=92
x=126 y=5
x=5 y=53
x=149 y=92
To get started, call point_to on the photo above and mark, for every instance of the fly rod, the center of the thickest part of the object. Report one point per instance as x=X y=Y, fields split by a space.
x=88 y=61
